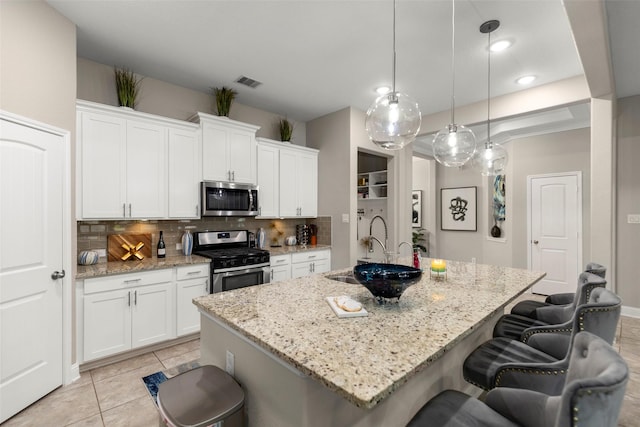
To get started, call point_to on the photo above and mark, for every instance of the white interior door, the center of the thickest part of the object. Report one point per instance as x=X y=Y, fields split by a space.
x=555 y=224
x=31 y=249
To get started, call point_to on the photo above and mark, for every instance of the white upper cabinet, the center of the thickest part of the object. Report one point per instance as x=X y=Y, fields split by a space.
x=288 y=180
x=298 y=182
x=184 y=173
x=228 y=149
x=124 y=167
x=268 y=171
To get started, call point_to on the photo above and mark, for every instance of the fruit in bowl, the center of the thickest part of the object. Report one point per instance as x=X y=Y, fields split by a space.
x=386 y=280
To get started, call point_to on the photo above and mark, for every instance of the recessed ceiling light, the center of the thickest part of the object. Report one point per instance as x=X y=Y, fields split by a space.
x=383 y=90
x=500 y=45
x=525 y=80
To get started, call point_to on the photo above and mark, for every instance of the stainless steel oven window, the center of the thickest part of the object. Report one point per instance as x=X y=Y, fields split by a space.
x=240 y=279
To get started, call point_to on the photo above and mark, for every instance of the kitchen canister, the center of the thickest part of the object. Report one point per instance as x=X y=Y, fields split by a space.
x=88 y=258
x=187 y=243
x=260 y=237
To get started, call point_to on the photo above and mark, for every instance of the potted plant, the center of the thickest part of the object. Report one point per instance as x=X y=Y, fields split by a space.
x=417 y=239
x=127 y=87
x=224 y=99
x=286 y=130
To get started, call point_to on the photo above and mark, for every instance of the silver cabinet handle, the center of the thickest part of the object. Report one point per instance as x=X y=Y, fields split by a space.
x=135 y=297
x=196 y=210
x=535 y=242
x=124 y=210
x=57 y=275
x=129 y=301
x=132 y=280
x=194 y=272
x=260 y=211
x=129 y=210
x=233 y=175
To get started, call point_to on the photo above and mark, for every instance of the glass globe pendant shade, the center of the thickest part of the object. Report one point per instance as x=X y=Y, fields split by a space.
x=393 y=121
x=491 y=160
x=454 y=145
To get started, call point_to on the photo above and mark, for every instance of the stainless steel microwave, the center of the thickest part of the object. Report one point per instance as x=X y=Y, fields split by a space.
x=228 y=199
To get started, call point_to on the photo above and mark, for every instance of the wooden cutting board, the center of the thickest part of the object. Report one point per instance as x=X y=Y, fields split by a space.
x=118 y=245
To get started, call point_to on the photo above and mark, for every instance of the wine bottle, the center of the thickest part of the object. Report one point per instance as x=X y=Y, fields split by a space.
x=161 y=248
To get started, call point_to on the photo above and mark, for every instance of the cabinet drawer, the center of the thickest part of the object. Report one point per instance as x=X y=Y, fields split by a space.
x=123 y=281
x=309 y=256
x=280 y=260
x=192 y=271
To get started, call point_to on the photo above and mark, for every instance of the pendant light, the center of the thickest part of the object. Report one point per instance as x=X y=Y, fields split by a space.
x=454 y=145
x=393 y=120
x=492 y=159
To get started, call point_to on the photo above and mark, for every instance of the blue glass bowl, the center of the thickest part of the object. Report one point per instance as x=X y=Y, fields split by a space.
x=386 y=280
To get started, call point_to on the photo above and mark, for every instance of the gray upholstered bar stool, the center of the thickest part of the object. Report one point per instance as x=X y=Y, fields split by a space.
x=201 y=397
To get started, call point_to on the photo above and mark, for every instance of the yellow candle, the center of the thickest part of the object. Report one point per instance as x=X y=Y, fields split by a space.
x=438 y=265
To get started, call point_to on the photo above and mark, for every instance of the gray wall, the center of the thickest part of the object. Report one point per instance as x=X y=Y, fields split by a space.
x=628 y=202
x=96 y=83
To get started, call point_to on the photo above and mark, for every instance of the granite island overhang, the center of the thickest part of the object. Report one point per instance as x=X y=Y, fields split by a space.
x=361 y=363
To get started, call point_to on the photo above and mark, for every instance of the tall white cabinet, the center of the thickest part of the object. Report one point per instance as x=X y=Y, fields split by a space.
x=228 y=149
x=288 y=180
x=124 y=167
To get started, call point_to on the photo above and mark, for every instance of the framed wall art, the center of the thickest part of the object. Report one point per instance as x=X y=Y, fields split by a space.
x=458 y=209
x=416 y=208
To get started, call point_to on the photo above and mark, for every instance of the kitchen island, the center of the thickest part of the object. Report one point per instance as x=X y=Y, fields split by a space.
x=300 y=365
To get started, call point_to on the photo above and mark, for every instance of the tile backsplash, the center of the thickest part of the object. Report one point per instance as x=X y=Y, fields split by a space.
x=92 y=235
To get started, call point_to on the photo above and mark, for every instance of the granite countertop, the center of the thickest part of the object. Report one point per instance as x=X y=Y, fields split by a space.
x=284 y=250
x=120 y=267
x=364 y=359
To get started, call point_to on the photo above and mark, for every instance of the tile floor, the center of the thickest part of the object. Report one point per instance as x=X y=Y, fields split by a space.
x=114 y=395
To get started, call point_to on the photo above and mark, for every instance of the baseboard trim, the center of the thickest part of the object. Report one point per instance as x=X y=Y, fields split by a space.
x=631 y=311
x=73 y=374
x=137 y=352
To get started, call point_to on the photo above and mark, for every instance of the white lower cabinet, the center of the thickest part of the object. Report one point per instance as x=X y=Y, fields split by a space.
x=280 y=267
x=127 y=311
x=191 y=282
x=310 y=262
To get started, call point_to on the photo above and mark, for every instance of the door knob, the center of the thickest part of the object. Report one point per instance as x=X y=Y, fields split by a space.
x=535 y=242
x=57 y=275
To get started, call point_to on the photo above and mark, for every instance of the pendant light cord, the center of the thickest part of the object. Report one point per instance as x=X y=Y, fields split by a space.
x=393 y=73
x=488 y=143
x=453 y=61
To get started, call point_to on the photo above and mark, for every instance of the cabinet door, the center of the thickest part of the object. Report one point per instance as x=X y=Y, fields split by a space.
x=146 y=170
x=280 y=273
x=300 y=269
x=288 y=184
x=307 y=179
x=153 y=316
x=107 y=323
x=102 y=141
x=268 y=171
x=184 y=174
x=187 y=315
x=215 y=156
x=321 y=266
x=242 y=156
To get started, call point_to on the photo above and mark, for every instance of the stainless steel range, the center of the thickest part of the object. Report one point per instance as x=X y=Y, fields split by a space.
x=233 y=263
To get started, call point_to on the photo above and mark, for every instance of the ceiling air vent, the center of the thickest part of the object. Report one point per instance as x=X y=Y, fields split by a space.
x=243 y=80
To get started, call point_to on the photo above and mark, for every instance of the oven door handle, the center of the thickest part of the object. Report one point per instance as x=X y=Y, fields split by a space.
x=243 y=269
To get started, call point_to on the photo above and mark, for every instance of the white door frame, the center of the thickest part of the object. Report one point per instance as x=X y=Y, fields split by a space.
x=70 y=371
x=530 y=178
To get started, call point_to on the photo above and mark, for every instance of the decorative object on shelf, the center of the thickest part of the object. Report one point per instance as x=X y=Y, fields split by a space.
x=394 y=119
x=386 y=281
x=123 y=247
x=416 y=208
x=290 y=241
x=438 y=269
x=302 y=234
x=454 y=145
x=127 y=87
x=88 y=258
x=187 y=243
x=224 y=99
x=276 y=235
x=458 y=209
x=285 y=127
x=492 y=159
